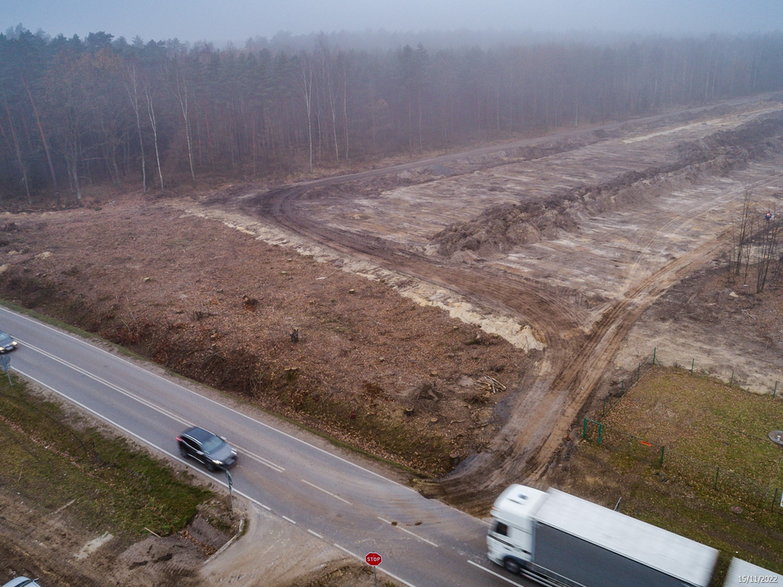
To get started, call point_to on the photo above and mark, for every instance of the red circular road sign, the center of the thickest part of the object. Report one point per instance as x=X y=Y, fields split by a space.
x=373 y=558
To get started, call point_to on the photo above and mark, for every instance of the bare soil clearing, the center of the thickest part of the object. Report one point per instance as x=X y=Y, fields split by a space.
x=219 y=306
x=572 y=240
x=547 y=256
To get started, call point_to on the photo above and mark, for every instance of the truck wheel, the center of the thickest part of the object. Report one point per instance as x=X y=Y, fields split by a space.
x=512 y=566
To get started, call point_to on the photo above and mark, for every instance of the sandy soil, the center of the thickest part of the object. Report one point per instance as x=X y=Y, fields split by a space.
x=529 y=275
x=571 y=238
x=715 y=324
x=271 y=551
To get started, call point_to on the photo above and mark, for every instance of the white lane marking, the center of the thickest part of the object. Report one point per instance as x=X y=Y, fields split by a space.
x=108 y=384
x=145 y=402
x=246 y=452
x=120 y=427
x=361 y=558
x=499 y=576
x=409 y=532
x=316 y=534
x=348 y=551
x=210 y=400
x=326 y=492
x=214 y=479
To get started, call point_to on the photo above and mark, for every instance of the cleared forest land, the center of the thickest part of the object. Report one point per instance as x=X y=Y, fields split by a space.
x=534 y=276
x=568 y=239
x=544 y=252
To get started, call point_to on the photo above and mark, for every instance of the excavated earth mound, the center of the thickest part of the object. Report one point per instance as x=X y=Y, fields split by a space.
x=501 y=228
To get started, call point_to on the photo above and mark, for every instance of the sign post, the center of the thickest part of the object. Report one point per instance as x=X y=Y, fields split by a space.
x=5 y=365
x=230 y=482
x=374 y=559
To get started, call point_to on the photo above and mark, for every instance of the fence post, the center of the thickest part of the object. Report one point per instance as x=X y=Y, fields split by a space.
x=715 y=482
x=692 y=362
x=654 y=350
x=660 y=458
x=600 y=433
x=584 y=428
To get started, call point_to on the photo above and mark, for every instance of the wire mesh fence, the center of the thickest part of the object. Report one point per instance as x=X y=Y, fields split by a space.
x=728 y=374
x=624 y=442
x=723 y=477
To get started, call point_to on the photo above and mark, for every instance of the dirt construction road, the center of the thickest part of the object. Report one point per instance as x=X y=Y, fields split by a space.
x=559 y=244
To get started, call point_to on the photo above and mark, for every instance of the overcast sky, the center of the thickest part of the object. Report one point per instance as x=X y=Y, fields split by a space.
x=238 y=20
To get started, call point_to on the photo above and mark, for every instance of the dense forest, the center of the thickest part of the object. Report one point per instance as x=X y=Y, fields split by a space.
x=77 y=112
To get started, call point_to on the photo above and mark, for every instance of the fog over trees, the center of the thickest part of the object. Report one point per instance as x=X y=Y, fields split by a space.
x=76 y=112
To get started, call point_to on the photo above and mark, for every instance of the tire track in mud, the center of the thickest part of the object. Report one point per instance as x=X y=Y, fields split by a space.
x=543 y=417
x=585 y=373
x=573 y=366
x=556 y=323
x=546 y=313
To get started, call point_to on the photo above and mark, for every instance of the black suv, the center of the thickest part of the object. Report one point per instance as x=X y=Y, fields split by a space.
x=208 y=448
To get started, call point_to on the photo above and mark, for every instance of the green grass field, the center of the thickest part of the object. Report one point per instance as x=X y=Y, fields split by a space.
x=51 y=458
x=691 y=454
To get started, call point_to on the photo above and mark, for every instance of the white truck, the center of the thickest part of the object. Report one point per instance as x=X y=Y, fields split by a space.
x=559 y=539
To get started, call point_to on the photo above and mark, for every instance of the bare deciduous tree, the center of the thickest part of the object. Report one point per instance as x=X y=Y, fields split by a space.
x=154 y=126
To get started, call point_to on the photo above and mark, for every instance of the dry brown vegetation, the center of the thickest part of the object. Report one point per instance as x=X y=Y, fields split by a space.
x=596 y=245
x=220 y=306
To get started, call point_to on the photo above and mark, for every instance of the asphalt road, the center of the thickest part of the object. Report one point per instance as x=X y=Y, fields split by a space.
x=423 y=542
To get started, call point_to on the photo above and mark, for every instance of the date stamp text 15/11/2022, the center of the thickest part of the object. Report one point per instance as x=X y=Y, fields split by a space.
x=758 y=579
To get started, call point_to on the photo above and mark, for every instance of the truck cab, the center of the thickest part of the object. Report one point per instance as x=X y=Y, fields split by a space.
x=510 y=536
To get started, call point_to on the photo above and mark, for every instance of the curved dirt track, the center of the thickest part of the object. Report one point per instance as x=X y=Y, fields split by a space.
x=574 y=363
x=579 y=343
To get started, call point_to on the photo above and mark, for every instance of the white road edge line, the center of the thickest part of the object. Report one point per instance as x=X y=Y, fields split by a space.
x=361 y=558
x=210 y=400
x=326 y=492
x=108 y=384
x=136 y=436
x=316 y=534
x=345 y=550
x=145 y=402
x=245 y=452
x=499 y=576
x=176 y=457
x=409 y=532
x=212 y=478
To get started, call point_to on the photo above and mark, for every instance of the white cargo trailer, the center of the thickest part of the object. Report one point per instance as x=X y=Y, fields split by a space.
x=560 y=539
